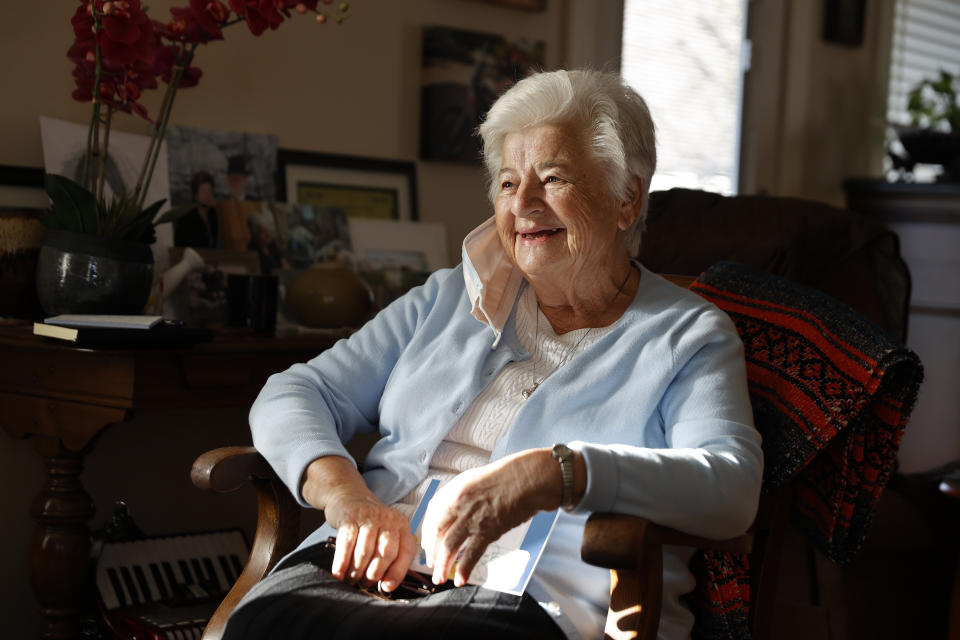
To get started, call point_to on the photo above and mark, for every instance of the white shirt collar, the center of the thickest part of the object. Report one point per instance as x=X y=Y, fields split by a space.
x=492 y=280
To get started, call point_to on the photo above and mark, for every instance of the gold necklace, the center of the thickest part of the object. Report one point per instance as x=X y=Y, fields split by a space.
x=526 y=393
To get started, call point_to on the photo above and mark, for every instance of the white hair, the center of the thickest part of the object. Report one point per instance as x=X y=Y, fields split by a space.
x=614 y=117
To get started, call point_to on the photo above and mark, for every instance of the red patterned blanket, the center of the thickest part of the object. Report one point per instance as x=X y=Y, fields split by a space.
x=831 y=395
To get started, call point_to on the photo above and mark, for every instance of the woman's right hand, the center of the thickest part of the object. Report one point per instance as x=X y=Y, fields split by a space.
x=374 y=542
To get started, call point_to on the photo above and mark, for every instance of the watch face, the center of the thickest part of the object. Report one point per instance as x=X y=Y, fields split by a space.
x=561 y=451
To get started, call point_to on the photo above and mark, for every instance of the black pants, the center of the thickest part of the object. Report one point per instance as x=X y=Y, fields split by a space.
x=303 y=601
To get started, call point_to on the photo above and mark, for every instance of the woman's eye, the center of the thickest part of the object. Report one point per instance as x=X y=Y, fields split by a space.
x=552 y=179
x=506 y=184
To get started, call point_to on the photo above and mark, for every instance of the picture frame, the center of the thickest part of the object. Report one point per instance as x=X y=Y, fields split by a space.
x=360 y=186
x=843 y=21
x=237 y=164
x=394 y=255
x=376 y=240
x=23 y=204
x=22 y=187
x=462 y=74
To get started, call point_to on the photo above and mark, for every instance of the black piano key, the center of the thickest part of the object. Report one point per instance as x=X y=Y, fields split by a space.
x=176 y=590
x=185 y=570
x=117 y=587
x=237 y=565
x=212 y=574
x=131 y=587
x=142 y=582
x=198 y=574
x=159 y=581
x=227 y=570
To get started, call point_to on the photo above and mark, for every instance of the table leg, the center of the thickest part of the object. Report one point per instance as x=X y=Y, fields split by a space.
x=59 y=548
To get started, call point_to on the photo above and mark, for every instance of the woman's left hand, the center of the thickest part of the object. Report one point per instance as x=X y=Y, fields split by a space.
x=479 y=505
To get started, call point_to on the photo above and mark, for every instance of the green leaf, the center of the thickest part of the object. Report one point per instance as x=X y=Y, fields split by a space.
x=74 y=207
x=151 y=211
x=132 y=221
x=174 y=214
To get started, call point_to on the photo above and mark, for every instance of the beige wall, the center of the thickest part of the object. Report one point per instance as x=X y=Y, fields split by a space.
x=813 y=110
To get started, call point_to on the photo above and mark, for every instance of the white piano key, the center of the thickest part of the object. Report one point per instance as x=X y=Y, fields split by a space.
x=210 y=550
x=158 y=579
x=167 y=552
x=145 y=582
x=138 y=552
x=130 y=584
x=124 y=556
x=115 y=595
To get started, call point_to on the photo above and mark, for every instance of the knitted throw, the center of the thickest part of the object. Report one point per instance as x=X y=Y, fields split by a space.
x=831 y=396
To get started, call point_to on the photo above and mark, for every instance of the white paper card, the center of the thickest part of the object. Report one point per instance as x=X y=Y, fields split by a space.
x=508 y=563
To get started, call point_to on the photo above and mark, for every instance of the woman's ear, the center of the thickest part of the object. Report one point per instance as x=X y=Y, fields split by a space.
x=630 y=208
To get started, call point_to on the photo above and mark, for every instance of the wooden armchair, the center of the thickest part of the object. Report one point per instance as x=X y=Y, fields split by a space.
x=631 y=547
x=822 y=380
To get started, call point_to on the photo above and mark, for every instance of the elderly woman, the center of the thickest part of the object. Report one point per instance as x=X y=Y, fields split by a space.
x=549 y=370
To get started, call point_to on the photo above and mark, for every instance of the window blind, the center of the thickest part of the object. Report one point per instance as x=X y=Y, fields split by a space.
x=926 y=39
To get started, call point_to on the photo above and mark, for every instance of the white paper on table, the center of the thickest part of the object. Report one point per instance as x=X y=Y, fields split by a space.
x=508 y=563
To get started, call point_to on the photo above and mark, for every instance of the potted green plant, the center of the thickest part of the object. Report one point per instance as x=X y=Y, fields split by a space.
x=96 y=256
x=934 y=134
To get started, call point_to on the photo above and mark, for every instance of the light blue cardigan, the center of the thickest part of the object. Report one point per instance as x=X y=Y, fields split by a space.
x=658 y=406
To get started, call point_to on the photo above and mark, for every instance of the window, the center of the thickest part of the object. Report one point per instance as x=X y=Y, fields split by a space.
x=685 y=57
x=926 y=39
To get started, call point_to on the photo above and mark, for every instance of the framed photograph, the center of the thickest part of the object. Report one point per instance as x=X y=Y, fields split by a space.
x=22 y=187
x=200 y=300
x=359 y=187
x=843 y=21
x=308 y=235
x=395 y=256
x=236 y=164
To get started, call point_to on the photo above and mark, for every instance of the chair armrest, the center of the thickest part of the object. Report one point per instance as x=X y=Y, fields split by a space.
x=278 y=517
x=228 y=468
x=616 y=540
x=632 y=548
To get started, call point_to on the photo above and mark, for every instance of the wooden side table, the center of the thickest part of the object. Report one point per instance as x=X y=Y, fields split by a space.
x=63 y=397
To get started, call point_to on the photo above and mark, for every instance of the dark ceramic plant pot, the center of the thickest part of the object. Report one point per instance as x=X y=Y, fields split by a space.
x=82 y=273
x=933 y=147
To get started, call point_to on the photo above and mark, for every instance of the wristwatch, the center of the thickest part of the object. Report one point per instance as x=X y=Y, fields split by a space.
x=564 y=455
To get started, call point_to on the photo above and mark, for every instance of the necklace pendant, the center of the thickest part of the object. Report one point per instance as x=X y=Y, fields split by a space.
x=526 y=393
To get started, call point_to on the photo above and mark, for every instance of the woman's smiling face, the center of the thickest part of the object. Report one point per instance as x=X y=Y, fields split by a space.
x=556 y=217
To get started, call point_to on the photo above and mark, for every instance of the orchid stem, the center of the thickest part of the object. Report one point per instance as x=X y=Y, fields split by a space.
x=93 y=135
x=164 y=118
x=103 y=156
